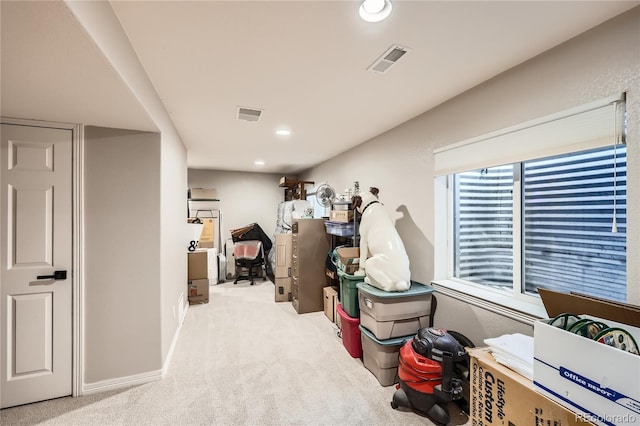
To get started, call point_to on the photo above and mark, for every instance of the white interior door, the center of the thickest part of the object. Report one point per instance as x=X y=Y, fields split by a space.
x=36 y=242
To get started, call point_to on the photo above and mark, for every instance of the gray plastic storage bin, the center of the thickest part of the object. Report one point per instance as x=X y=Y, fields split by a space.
x=388 y=314
x=381 y=356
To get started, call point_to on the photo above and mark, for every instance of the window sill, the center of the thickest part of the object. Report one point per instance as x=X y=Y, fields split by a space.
x=493 y=301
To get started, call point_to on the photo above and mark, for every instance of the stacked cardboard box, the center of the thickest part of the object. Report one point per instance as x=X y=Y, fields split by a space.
x=198 y=272
x=282 y=273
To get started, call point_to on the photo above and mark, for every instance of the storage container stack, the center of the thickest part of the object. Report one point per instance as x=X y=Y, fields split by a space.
x=349 y=312
x=387 y=320
x=376 y=323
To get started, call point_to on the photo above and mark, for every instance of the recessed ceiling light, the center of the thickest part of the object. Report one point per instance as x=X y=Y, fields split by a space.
x=259 y=163
x=375 y=10
x=283 y=132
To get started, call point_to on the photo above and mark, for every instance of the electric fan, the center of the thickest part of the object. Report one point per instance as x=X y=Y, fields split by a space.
x=325 y=195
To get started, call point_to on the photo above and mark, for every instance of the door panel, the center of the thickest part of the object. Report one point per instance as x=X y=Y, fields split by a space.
x=32 y=238
x=36 y=237
x=32 y=340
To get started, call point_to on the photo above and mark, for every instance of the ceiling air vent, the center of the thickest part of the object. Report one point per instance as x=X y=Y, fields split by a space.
x=388 y=58
x=249 y=114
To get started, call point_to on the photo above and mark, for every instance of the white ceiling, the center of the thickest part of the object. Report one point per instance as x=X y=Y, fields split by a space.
x=304 y=63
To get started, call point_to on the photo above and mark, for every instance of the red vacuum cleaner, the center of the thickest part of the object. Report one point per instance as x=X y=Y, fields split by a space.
x=426 y=374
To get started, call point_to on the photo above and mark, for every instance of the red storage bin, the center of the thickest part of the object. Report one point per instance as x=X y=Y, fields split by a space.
x=350 y=333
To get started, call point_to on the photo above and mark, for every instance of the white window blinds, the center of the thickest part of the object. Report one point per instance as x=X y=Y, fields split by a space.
x=597 y=124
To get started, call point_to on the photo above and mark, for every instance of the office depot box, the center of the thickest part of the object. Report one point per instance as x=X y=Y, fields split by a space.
x=341 y=215
x=198 y=291
x=500 y=396
x=283 y=289
x=599 y=382
x=381 y=356
x=350 y=333
x=330 y=296
x=389 y=314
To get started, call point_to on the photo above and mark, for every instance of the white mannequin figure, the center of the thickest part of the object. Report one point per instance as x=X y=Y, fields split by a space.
x=388 y=266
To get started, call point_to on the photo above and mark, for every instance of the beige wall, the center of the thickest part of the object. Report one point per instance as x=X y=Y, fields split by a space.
x=245 y=198
x=135 y=260
x=602 y=62
x=173 y=257
x=121 y=254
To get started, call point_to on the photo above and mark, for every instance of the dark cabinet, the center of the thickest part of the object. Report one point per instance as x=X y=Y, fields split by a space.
x=310 y=245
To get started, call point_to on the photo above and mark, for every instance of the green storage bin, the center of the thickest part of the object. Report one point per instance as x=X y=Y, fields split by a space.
x=349 y=293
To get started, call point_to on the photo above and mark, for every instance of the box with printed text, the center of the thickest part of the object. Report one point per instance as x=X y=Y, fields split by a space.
x=598 y=381
x=500 y=396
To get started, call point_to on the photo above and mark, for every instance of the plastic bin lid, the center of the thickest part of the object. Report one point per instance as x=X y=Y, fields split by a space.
x=341 y=273
x=416 y=289
x=395 y=341
x=346 y=317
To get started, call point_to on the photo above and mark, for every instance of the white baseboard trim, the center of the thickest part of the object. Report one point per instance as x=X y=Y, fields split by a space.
x=137 y=379
x=174 y=342
x=121 y=382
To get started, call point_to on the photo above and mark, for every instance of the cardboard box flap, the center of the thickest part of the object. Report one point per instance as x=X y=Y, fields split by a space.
x=348 y=255
x=557 y=303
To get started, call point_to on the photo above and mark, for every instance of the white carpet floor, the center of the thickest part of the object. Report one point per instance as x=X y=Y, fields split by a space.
x=242 y=359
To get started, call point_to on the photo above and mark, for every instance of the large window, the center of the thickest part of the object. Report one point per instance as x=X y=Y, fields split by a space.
x=538 y=205
x=565 y=236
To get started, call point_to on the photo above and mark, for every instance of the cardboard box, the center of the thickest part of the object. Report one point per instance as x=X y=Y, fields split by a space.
x=197 y=266
x=557 y=303
x=285 y=181
x=330 y=297
x=283 y=289
x=341 y=215
x=283 y=247
x=202 y=264
x=599 y=382
x=203 y=194
x=500 y=396
x=198 y=291
x=348 y=259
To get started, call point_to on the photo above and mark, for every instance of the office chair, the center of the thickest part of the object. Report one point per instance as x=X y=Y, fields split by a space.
x=249 y=259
